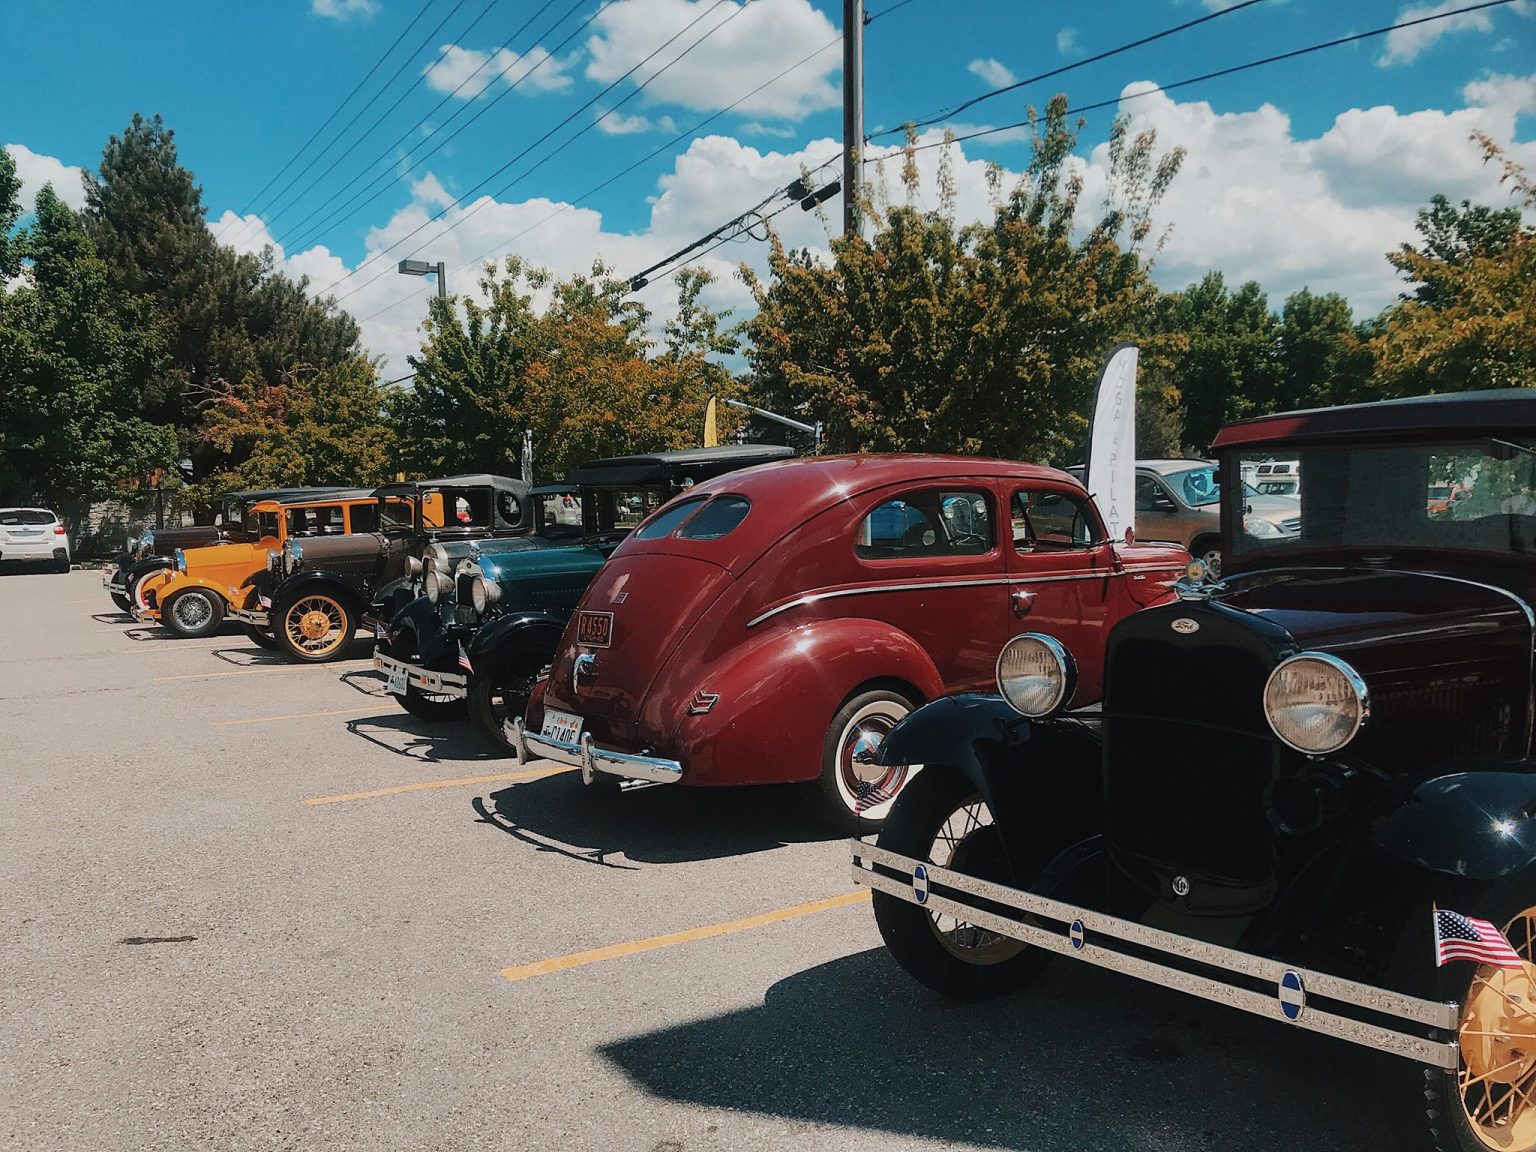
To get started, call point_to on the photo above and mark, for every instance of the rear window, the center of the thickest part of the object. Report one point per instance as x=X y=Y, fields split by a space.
x=716 y=518
x=27 y=516
x=668 y=519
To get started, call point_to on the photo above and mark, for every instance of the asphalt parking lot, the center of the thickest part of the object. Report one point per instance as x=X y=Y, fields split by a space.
x=253 y=905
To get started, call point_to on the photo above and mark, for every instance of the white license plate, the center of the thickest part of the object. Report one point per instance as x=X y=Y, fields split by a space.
x=561 y=726
x=397 y=681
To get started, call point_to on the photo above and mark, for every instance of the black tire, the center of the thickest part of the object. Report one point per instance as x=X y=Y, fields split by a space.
x=261 y=637
x=61 y=567
x=123 y=603
x=288 y=625
x=193 y=613
x=1435 y=1094
x=1208 y=548
x=423 y=706
x=499 y=689
x=866 y=716
x=991 y=965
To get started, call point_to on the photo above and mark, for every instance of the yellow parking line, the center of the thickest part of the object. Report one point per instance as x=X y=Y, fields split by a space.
x=614 y=951
x=259 y=671
x=303 y=716
x=499 y=778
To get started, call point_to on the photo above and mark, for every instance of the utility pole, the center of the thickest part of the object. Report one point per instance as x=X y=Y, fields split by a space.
x=853 y=112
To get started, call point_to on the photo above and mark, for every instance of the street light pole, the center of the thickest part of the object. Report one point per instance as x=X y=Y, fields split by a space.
x=426 y=268
x=853 y=112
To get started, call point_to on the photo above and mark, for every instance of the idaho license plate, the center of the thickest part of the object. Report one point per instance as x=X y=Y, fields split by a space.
x=397 y=680
x=561 y=726
x=594 y=629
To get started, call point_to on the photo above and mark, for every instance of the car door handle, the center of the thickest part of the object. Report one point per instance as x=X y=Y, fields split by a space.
x=1023 y=600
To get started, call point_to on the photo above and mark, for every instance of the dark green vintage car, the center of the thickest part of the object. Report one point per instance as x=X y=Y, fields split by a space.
x=482 y=632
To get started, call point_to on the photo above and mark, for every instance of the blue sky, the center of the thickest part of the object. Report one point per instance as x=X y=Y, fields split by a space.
x=1299 y=173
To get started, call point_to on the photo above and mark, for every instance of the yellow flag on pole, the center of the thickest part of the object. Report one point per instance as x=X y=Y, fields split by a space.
x=711 y=429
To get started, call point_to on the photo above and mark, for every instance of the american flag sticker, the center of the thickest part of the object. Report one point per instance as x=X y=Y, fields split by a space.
x=464 y=660
x=1459 y=937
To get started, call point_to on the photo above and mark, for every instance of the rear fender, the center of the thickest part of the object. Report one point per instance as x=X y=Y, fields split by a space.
x=1478 y=823
x=1041 y=780
x=530 y=629
x=774 y=698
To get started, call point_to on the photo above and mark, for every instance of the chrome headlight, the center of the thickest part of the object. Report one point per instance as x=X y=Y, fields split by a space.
x=1036 y=675
x=272 y=561
x=293 y=555
x=1316 y=703
x=438 y=584
x=484 y=593
x=180 y=560
x=413 y=567
x=1262 y=529
x=147 y=543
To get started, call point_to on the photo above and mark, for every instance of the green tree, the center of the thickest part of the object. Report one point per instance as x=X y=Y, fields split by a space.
x=1470 y=323
x=10 y=213
x=1323 y=359
x=73 y=358
x=987 y=338
x=1455 y=235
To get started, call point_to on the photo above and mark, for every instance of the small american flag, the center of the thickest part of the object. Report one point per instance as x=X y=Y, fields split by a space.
x=464 y=660
x=867 y=795
x=1459 y=937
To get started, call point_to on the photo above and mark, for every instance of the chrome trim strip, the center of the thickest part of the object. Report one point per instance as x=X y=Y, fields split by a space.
x=926 y=586
x=454 y=684
x=589 y=757
x=1436 y=1014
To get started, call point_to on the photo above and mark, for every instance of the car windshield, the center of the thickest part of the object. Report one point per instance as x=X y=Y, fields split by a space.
x=619 y=509
x=1477 y=495
x=18 y=516
x=557 y=515
x=1197 y=487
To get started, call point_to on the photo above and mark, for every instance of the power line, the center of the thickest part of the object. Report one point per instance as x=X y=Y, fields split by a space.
x=896 y=7
x=1220 y=72
x=459 y=200
x=333 y=215
x=345 y=128
x=356 y=88
x=949 y=113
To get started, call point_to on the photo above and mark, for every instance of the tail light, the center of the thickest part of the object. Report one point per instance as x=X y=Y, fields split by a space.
x=58 y=529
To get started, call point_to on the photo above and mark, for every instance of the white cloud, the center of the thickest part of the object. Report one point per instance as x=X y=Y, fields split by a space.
x=34 y=170
x=624 y=124
x=532 y=71
x=1066 y=41
x=344 y=9
x=994 y=73
x=455 y=66
x=760 y=41
x=1405 y=44
x=535 y=70
x=758 y=128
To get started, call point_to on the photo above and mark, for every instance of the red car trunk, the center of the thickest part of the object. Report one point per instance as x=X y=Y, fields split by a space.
x=642 y=634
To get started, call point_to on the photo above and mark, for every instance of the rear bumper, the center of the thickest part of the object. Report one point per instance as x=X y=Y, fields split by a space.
x=1240 y=980
x=455 y=684
x=590 y=758
x=41 y=549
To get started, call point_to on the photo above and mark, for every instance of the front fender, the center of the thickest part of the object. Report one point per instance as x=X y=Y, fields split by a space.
x=529 y=628
x=183 y=581
x=1041 y=780
x=316 y=581
x=776 y=696
x=146 y=566
x=1477 y=824
x=262 y=581
x=423 y=620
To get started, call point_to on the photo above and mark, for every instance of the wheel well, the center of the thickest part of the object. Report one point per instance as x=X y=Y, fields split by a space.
x=885 y=684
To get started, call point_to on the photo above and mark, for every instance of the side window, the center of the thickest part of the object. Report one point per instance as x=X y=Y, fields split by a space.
x=1052 y=521
x=1147 y=494
x=363 y=518
x=664 y=523
x=922 y=524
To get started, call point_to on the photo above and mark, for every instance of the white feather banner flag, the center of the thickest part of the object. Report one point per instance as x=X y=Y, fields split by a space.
x=1111 y=471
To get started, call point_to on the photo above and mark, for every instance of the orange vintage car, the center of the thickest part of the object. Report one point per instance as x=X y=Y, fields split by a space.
x=205 y=584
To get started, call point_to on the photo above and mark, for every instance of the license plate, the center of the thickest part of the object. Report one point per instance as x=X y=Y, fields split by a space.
x=561 y=726
x=397 y=680
x=594 y=629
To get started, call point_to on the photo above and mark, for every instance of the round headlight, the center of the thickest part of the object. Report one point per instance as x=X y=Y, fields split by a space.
x=1316 y=703
x=484 y=593
x=1036 y=675
x=293 y=555
x=438 y=583
x=147 y=543
x=180 y=560
x=413 y=568
x=436 y=556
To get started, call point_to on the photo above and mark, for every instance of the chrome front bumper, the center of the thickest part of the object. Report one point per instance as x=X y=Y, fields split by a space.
x=1242 y=980
x=110 y=581
x=589 y=757
x=454 y=684
x=257 y=617
x=145 y=615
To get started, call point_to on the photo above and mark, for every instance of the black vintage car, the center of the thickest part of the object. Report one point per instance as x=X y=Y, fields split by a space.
x=484 y=631
x=309 y=601
x=153 y=550
x=1293 y=770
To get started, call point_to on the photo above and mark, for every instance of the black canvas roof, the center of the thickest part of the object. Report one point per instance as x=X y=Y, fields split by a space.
x=467 y=480
x=673 y=468
x=1446 y=415
x=251 y=496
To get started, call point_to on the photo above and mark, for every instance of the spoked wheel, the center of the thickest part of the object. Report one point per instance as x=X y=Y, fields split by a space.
x=854 y=793
x=939 y=818
x=313 y=626
x=193 y=612
x=499 y=691
x=424 y=705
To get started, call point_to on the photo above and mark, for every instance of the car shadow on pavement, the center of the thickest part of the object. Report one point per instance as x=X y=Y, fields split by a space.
x=1081 y=1059
x=653 y=825
x=112 y=617
x=416 y=739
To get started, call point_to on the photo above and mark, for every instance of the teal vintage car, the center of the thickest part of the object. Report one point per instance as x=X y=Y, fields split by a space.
x=488 y=622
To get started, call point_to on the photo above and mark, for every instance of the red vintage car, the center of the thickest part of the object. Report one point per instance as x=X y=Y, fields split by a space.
x=772 y=625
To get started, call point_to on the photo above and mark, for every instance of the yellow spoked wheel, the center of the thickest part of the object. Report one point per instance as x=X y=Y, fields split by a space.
x=1497 y=1079
x=315 y=626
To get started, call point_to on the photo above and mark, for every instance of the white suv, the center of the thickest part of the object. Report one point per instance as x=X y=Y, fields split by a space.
x=33 y=535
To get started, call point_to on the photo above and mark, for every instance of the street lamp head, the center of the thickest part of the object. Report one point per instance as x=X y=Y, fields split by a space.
x=417 y=268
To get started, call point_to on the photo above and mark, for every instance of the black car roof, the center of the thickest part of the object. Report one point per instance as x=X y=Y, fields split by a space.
x=694 y=464
x=467 y=480
x=1449 y=413
x=329 y=494
x=251 y=496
